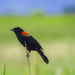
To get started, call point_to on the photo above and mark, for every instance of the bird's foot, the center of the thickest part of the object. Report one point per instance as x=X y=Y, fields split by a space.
x=27 y=55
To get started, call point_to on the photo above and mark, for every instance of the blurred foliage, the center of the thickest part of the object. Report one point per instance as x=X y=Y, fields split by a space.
x=55 y=33
x=44 y=26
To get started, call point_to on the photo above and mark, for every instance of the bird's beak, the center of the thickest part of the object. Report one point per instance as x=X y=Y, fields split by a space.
x=12 y=29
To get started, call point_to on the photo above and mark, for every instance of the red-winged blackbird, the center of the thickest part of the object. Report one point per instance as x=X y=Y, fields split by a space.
x=31 y=43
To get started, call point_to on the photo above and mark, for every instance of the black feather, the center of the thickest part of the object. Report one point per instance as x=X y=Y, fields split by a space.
x=32 y=44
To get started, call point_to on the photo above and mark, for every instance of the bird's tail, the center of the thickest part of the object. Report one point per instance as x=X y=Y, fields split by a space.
x=43 y=56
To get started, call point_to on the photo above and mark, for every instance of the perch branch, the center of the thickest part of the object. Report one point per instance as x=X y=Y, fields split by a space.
x=27 y=58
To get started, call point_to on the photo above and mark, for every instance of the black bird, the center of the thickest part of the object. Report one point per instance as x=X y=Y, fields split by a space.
x=31 y=43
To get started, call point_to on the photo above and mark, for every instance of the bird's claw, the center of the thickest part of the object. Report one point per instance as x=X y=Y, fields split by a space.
x=27 y=55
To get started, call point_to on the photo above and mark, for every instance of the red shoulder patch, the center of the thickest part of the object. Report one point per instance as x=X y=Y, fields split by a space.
x=25 y=33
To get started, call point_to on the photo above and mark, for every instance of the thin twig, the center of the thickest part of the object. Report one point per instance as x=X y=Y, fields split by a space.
x=27 y=58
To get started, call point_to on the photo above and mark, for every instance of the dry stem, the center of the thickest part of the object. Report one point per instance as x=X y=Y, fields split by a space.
x=27 y=58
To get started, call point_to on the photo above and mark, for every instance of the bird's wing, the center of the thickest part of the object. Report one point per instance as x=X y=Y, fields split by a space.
x=32 y=40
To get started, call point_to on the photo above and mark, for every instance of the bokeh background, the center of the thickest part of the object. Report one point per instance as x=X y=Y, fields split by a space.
x=52 y=23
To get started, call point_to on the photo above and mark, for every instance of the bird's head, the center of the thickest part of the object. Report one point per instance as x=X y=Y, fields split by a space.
x=17 y=30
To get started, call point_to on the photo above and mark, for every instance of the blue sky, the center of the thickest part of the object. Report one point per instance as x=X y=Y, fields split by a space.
x=27 y=6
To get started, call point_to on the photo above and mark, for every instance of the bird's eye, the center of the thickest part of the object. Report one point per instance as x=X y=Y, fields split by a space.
x=15 y=28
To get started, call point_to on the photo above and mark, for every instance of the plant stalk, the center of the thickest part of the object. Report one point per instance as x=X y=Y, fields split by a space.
x=27 y=59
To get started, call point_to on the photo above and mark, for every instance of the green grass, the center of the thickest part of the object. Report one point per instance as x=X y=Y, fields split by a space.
x=43 y=26
x=56 y=35
x=4 y=68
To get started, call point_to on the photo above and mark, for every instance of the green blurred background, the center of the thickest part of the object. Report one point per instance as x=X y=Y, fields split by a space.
x=55 y=33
